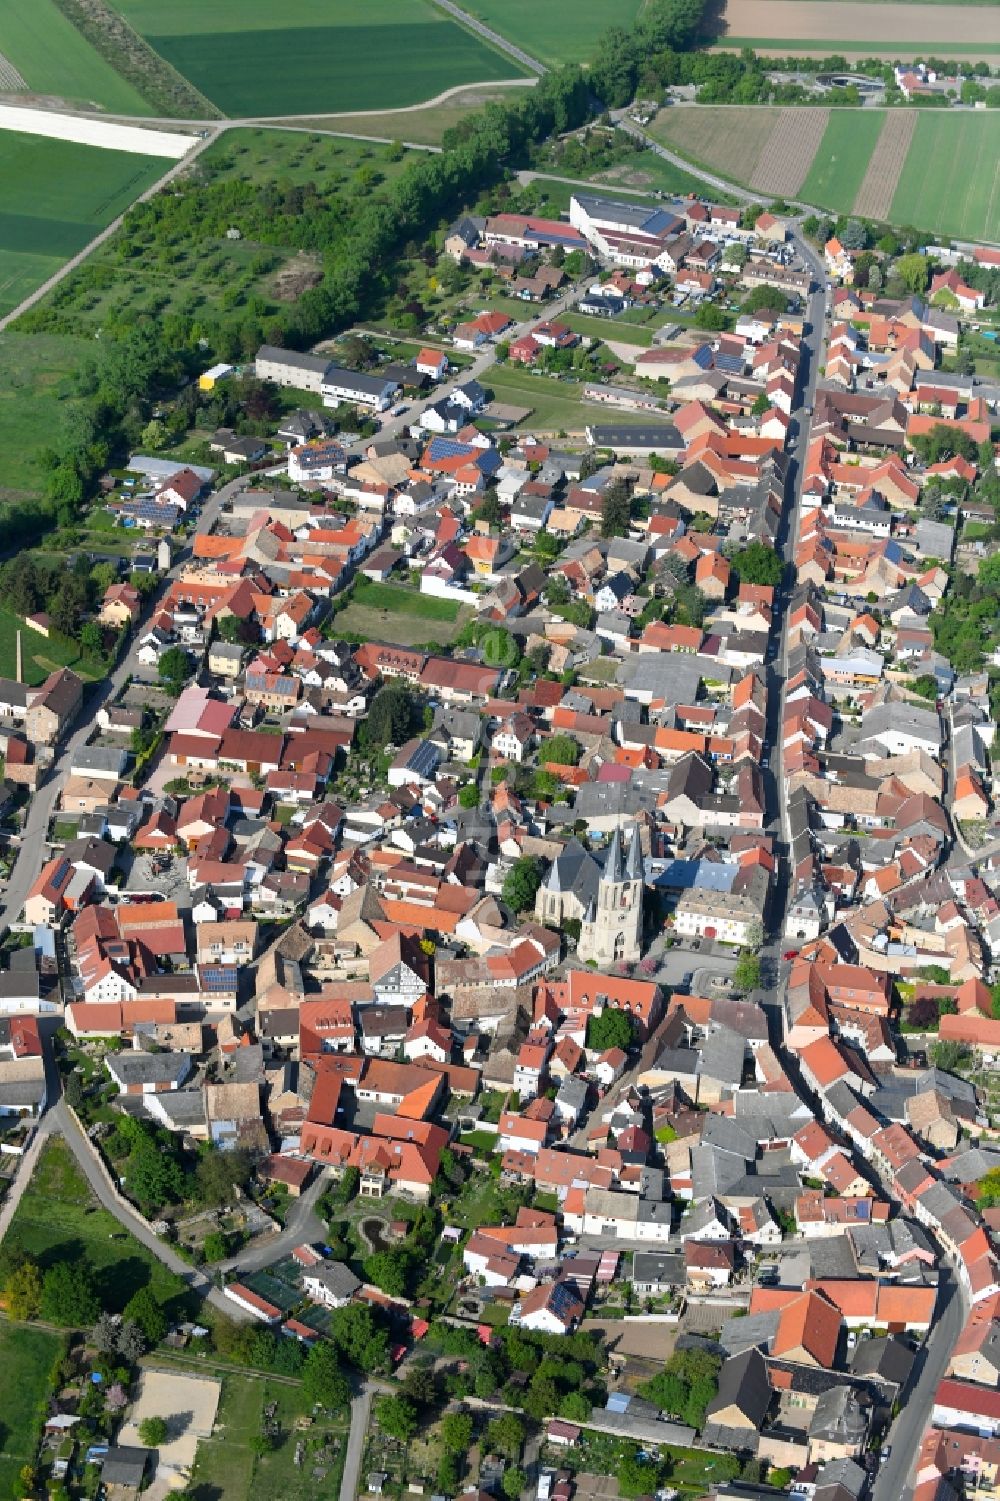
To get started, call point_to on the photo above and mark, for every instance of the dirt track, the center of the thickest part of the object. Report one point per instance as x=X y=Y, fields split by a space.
x=855 y=21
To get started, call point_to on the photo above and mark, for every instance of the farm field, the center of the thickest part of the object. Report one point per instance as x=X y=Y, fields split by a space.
x=59 y=1219
x=55 y=196
x=557 y=31
x=27 y=1357
x=53 y=58
x=862 y=24
x=426 y=125
x=841 y=162
x=313 y=58
x=897 y=164
x=951 y=181
x=726 y=138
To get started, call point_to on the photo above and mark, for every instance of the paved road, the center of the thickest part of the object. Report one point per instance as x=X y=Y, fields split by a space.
x=361 y=1408
x=303 y=1225
x=392 y=427
x=493 y=37
x=60 y=1119
x=895 y=1477
x=894 y=1480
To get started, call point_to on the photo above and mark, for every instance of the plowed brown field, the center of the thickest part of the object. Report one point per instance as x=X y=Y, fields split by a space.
x=789 y=152
x=874 y=196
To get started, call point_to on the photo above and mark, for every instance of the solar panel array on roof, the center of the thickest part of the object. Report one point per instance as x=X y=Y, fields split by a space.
x=219 y=977
x=448 y=448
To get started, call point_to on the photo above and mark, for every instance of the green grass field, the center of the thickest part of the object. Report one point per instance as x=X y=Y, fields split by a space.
x=399 y=600
x=555 y=405
x=53 y=58
x=226 y=1468
x=840 y=163
x=58 y=1219
x=34 y=404
x=27 y=1357
x=404 y=616
x=555 y=31
x=614 y=329
x=253 y=60
x=41 y=654
x=54 y=197
x=951 y=180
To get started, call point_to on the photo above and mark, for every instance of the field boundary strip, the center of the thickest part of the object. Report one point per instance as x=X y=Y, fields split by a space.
x=790 y=151
x=87 y=131
x=886 y=165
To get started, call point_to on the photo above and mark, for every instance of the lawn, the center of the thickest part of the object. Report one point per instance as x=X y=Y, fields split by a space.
x=226 y=1469
x=951 y=180
x=55 y=196
x=41 y=654
x=400 y=626
x=841 y=162
x=35 y=404
x=398 y=599
x=556 y=31
x=54 y=58
x=616 y=329
x=58 y=1219
x=252 y=60
x=27 y=1357
x=555 y=405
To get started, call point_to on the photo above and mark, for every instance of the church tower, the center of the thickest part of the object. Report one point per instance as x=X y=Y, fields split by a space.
x=611 y=930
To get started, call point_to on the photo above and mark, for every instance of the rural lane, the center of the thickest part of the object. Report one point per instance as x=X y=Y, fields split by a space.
x=493 y=37
x=62 y=1120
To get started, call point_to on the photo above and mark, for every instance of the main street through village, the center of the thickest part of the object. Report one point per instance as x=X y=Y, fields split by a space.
x=894 y=1478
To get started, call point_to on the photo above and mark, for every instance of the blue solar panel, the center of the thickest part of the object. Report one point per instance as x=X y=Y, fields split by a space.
x=448 y=448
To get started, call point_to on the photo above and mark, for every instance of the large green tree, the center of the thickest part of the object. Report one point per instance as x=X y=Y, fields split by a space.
x=610 y=1029
x=521 y=883
x=323 y=1381
x=759 y=564
x=68 y=1296
x=397 y=1416
x=393 y=717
